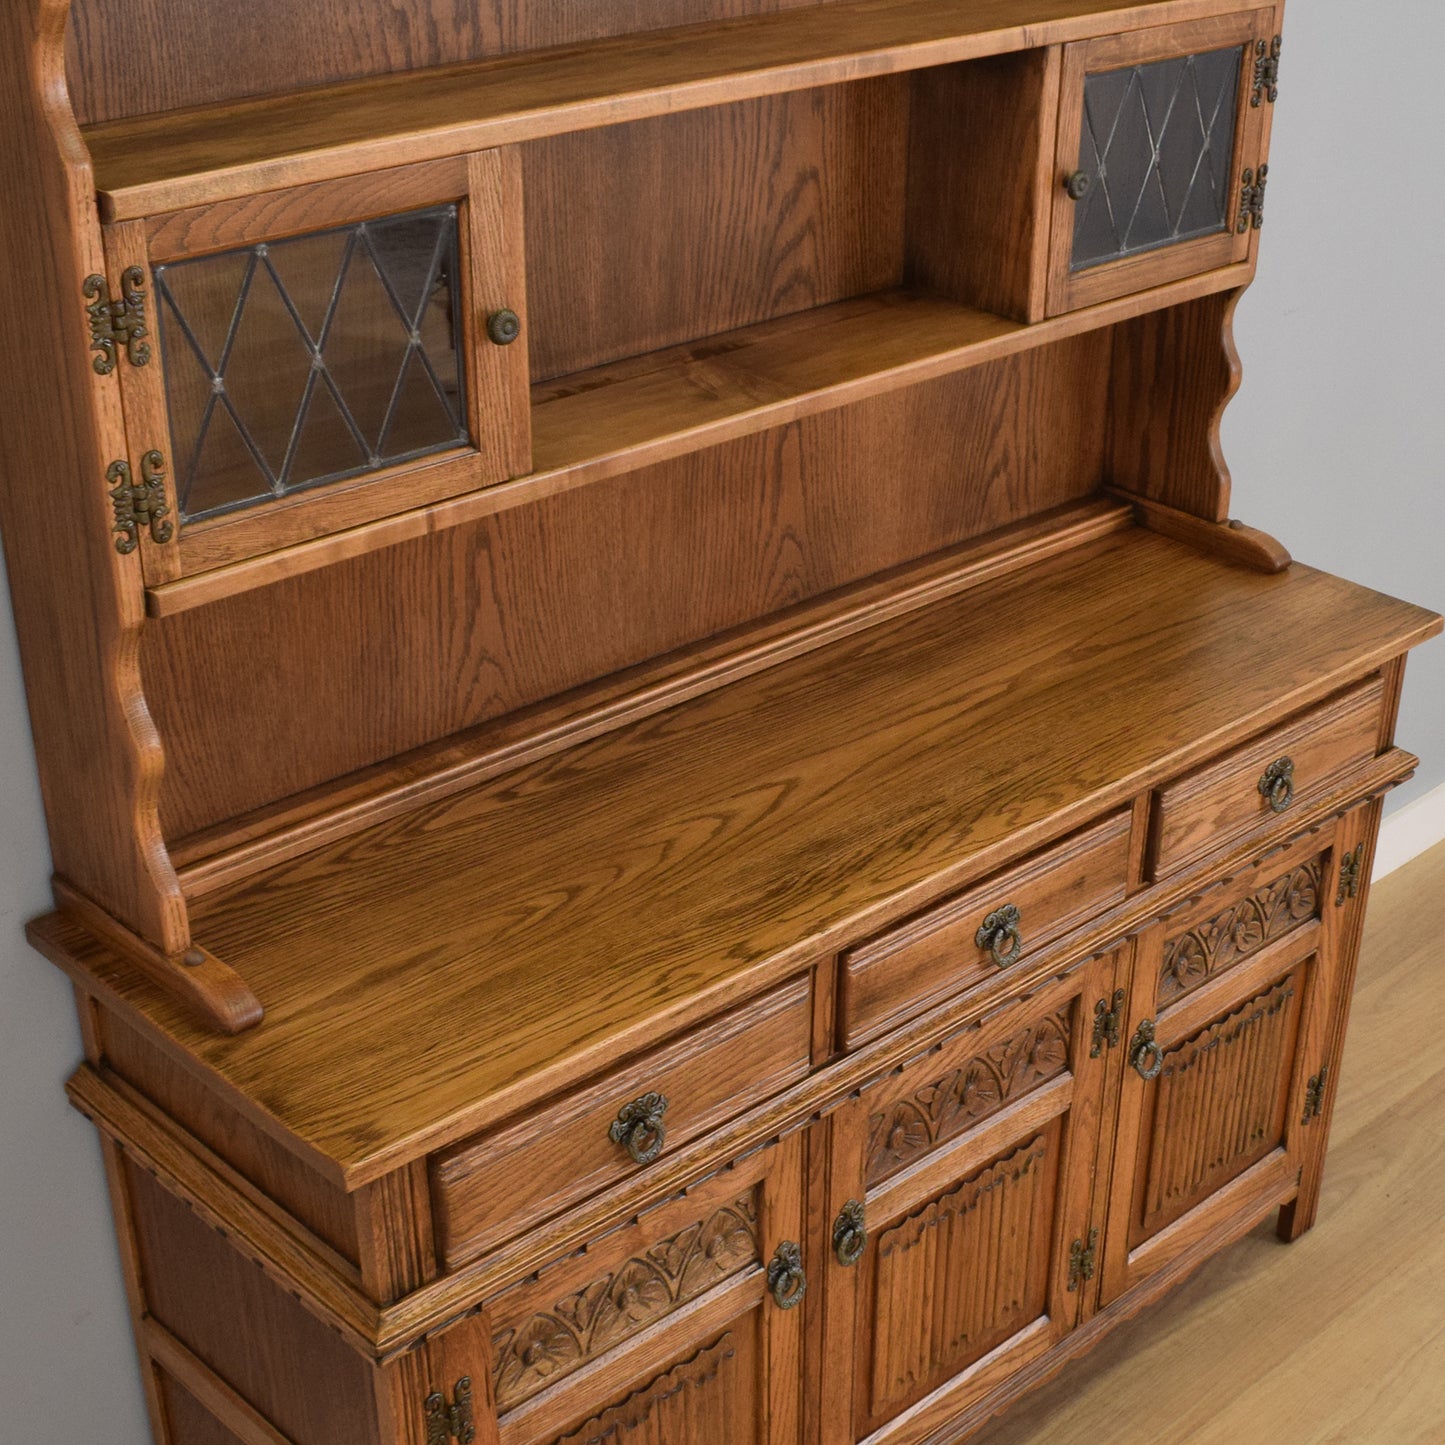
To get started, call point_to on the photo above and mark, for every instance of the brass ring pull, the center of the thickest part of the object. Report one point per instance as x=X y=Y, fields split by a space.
x=1145 y=1056
x=850 y=1233
x=1277 y=784
x=638 y=1128
x=1001 y=937
x=786 y=1281
x=1078 y=184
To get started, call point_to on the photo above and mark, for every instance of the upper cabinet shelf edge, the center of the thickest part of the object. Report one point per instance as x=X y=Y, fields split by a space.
x=156 y=163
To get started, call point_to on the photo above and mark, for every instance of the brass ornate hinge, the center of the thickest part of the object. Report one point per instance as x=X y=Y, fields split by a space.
x=450 y=1421
x=139 y=504
x=115 y=324
x=1266 y=71
x=1251 y=200
x=1083 y=1259
x=1108 y=1022
x=1351 y=867
x=1315 y=1096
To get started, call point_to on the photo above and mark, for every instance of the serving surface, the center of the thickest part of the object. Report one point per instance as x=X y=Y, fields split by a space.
x=431 y=975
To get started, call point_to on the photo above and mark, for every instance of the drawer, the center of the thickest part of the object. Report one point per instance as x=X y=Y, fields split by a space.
x=1265 y=780
x=495 y=1187
x=993 y=927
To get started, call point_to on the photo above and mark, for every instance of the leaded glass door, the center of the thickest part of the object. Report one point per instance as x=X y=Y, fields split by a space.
x=323 y=357
x=1162 y=157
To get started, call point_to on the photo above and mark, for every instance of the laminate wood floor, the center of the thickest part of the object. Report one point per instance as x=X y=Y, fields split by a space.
x=1340 y=1337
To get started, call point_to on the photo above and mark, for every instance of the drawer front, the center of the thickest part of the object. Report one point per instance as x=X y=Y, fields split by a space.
x=1265 y=781
x=990 y=929
x=493 y=1188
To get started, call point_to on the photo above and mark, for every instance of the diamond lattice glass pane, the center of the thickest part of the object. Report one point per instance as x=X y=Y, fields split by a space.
x=1158 y=143
x=313 y=359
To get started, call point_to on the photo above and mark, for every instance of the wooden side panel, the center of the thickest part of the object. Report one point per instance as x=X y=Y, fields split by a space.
x=980 y=180
x=259 y=697
x=1175 y=371
x=78 y=602
x=644 y=235
x=150 y=55
x=322 y=1207
x=293 y=1369
x=189 y=1421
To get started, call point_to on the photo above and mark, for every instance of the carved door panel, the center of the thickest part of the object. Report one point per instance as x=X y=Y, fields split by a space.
x=1229 y=1024
x=683 y=1327
x=1163 y=151
x=342 y=353
x=962 y=1186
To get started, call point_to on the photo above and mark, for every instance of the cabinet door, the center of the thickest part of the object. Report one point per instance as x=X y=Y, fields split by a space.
x=1162 y=153
x=683 y=1327
x=962 y=1185
x=314 y=359
x=1229 y=1026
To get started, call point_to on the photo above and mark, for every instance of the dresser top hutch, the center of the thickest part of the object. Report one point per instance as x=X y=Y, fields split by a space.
x=546 y=538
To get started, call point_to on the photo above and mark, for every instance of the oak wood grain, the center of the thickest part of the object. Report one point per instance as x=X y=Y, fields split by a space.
x=264 y=1344
x=185 y=158
x=906 y=969
x=1204 y=810
x=981 y=180
x=519 y=607
x=688 y=225
x=553 y=872
x=243 y=846
x=609 y=420
x=1174 y=374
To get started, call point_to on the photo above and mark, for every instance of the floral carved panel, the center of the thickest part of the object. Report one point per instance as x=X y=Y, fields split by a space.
x=1240 y=930
x=549 y=1344
x=948 y=1105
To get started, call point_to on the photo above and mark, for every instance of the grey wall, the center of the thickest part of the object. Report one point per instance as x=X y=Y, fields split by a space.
x=1336 y=444
x=1337 y=439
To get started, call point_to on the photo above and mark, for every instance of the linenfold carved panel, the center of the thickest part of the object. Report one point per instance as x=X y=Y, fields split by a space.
x=1218 y=1105
x=706 y=1400
x=960 y=1275
x=550 y=1344
x=946 y=1106
x=1242 y=929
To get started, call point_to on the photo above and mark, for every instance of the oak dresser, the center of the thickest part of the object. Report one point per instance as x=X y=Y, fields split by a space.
x=678 y=816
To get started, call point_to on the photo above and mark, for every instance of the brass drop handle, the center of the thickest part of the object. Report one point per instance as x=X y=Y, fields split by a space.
x=850 y=1233
x=638 y=1128
x=786 y=1281
x=1277 y=784
x=1078 y=184
x=1001 y=937
x=504 y=327
x=1145 y=1056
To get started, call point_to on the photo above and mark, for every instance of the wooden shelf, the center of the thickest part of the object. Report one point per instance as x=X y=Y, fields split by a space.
x=157 y=163
x=453 y=965
x=615 y=419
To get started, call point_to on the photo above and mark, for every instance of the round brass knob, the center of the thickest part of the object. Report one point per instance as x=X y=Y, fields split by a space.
x=1078 y=184
x=504 y=326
